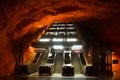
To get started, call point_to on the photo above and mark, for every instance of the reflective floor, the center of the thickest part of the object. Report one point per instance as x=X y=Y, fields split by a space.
x=35 y=76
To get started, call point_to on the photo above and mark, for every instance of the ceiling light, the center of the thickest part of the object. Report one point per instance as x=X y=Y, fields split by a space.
x=44 y=40
x=76 y=47
x=57 y=39
x=71 y=39
x=58 y=47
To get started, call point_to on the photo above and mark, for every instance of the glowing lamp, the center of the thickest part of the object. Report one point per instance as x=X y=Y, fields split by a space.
x=76 y=47
x=58 y=47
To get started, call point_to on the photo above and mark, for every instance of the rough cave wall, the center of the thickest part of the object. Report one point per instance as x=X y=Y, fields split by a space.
x=116 y=56
x=29 y=55
x=20 y=19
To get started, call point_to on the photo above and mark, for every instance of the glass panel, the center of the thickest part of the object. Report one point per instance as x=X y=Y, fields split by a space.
x=62 y=24
x=70 y=28
x=56 y=33
x=61 y=33
x=71 y=33
x=61 y=28
x=69 y=24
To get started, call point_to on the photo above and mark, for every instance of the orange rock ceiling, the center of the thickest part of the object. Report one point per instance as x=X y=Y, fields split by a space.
x=20 y=19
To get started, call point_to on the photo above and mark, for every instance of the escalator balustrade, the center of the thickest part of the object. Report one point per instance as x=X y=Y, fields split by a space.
x=48 y=68
x=68 y=68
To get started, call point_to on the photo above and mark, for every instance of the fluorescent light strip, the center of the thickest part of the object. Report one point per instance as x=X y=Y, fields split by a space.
x=76 y=47
x=72 y=39
x=58 y=47
x=57 y=40
x=44 y=40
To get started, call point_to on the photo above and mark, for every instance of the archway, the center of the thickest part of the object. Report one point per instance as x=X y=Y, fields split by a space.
x=20 y=22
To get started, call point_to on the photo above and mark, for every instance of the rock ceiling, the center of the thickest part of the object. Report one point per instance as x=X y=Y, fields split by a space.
x=22 y=17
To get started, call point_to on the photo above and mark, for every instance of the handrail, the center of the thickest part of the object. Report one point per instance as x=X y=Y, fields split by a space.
x=68 y=68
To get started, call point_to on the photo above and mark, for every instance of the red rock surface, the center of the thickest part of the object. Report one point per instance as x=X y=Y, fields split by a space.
x=20 y=19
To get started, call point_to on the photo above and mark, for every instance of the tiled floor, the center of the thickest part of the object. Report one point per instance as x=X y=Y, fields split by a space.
x=35 y=76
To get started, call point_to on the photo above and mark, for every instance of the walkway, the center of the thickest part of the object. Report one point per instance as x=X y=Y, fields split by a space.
x=35 y=76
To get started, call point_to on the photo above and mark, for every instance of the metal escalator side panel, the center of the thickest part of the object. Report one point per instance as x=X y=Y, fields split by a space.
x=58 y=62
x=36 y=58
x=76 y=62
x=43 y=58
x=68 y=68
x=82 y=58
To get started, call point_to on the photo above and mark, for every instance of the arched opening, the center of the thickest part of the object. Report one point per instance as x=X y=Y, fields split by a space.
x=21 y=23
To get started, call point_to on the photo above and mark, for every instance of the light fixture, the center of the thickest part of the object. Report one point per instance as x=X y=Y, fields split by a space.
x=44 y=40
x=76 y=47
x=112 y=52
x=58 y=47
x=71 y=39
x=57 y=39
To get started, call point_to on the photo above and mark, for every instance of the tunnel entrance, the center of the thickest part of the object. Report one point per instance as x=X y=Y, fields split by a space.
x=57 y=51
x=60 y=50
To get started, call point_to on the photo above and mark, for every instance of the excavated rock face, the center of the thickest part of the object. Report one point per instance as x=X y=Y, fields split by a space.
x=21 y=19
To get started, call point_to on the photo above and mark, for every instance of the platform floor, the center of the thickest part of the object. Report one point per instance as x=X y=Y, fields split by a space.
x=35 y=76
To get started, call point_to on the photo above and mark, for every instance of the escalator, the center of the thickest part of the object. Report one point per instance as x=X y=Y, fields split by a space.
x=75 y=60
x=79 y=62
x=68 y=68
x=58 y=62
x=39 y=59
x=83 y=65
x=82 y=58
x=43 y=58
x=47 y=69
x=36 y=58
